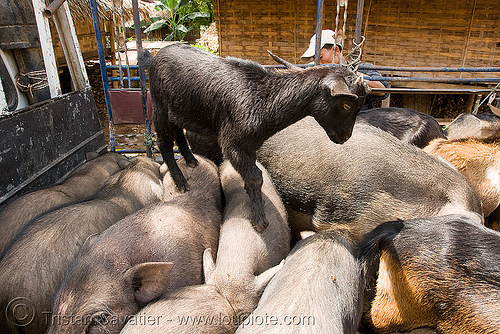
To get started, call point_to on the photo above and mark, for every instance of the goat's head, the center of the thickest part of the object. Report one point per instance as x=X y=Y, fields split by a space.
x=343 y=95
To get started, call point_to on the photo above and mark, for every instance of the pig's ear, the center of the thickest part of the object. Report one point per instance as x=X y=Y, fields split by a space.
x=124 y=163
x=263 y=279
x=90 y=155
x=208 y=265
x=306 y=234
x=149 y=280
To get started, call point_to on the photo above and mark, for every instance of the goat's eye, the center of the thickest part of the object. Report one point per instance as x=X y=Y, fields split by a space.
x=347 y=107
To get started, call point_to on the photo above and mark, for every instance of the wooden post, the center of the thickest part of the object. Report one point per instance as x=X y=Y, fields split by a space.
x=49 y=57
x=71 y=47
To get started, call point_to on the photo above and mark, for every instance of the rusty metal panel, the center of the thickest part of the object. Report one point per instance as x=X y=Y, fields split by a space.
x=42 y=143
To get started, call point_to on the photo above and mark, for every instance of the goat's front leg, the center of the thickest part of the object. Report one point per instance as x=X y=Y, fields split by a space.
x=244 y=163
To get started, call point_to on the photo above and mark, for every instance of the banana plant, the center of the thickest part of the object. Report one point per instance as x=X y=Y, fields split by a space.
x=178 y=25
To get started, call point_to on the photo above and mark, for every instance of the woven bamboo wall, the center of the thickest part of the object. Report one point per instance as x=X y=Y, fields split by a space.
x=86 y=39
x=398 y=32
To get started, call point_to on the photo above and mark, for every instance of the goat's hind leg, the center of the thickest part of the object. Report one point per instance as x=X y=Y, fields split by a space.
x=183 y=146
x=166 y=145
x=244 y=163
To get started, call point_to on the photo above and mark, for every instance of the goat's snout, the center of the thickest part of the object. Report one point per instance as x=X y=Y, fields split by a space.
x=339 y=138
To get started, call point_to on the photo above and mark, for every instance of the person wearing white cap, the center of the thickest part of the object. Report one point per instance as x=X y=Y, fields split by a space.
x=330 y=53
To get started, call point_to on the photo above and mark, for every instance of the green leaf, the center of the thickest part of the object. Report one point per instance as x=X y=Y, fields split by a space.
x=156 y=25
x=172 y=4
x=181 y=4
x=183 y=28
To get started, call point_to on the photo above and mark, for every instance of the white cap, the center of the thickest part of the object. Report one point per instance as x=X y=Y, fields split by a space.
x=327 y=37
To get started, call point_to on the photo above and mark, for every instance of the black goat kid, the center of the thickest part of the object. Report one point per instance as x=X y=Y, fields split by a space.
x=241 y=104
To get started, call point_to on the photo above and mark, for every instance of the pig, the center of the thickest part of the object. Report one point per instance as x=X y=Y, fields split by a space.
x=243 y=253
x=479 y=161
x=319 y=289
x=480 y=126
x=33 y=266
x=199 y=309
x=143 y=256
x=410 y=126
x=371 y=178
x=439 y=272
x=80 y=185
x=190 y=309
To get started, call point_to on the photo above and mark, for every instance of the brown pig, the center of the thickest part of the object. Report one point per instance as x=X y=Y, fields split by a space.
x=141 y=257
x=80 y=185
x=439 y=272
x=33 y=266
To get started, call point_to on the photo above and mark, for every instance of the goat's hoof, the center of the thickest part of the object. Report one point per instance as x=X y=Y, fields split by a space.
x=260 y=225
x=182 y=188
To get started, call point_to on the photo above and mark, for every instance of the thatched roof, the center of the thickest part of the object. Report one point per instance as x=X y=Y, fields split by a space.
x=80 y=10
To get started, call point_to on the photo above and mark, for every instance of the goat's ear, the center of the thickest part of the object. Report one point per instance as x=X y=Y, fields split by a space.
x=208 y=265
x=338 y=87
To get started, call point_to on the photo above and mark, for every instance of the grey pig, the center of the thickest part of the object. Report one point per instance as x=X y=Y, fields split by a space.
x=141 y=257
x=197 y=309
x=243 y=268
x=319 y=289
x=33 y=266
x=370 y=179
x=243 y=253
x=80 y=185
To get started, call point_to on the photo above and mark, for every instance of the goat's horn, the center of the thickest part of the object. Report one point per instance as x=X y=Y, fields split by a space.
x=282 y=61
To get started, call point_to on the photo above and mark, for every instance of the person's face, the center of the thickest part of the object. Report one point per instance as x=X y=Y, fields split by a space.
x=326 y=55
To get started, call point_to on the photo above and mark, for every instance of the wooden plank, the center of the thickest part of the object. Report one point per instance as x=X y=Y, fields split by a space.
x=71 y=47
x=18 y=36
x=49 y=57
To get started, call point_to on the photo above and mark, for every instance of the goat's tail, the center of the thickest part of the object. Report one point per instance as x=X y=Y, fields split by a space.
x=144 y=58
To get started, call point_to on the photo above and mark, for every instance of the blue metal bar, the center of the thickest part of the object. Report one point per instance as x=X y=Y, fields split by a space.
x=104 y=73
x=319 y=29
x=407 y=69
x=433 y=90
x=430 y=69
x=443 y=80
x=115 y=67
x=130 y=78
x=142 y=76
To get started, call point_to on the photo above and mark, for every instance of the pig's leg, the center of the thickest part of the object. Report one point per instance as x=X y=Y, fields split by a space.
x=181 y=141
x=165 y=136
x=244 y=163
